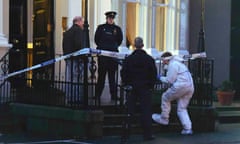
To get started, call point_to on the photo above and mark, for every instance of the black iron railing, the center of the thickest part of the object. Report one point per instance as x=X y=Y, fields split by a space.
x=202 y=72
x=5 y=89
x=59 y=92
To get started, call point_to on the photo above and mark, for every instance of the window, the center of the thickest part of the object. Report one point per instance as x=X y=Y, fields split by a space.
x=171 y=25
x=163 y=24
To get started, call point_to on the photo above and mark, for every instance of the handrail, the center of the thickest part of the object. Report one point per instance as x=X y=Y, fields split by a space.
x=4 y=66
x=5 y=55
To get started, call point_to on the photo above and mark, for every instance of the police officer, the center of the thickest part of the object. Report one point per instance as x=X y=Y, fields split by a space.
x=139 y=71
x=108 y=36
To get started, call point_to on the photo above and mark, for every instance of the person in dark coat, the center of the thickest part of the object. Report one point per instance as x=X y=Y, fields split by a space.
x=140 y=72
x=72 y=41
x=72 y=38
x=109 y=37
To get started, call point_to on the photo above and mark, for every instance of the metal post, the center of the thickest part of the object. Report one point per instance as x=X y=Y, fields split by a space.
x=86 y=44
x=124 y=7
x=201 y=39
x=153 y=42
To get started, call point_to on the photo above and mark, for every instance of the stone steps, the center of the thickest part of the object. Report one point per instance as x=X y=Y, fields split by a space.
x=228 y=114
x=203 y=119
x=113 y=125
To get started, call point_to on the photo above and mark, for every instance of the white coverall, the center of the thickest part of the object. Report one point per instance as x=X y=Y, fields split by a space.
x=181 y=90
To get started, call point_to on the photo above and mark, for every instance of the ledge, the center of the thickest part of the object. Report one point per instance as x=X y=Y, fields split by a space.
x=58 y=121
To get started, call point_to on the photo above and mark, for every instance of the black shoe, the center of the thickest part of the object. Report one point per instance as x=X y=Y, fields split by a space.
x=149 y=138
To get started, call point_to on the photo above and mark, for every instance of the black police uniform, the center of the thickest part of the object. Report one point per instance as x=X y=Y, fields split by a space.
x=107 y=37
x=140 y=72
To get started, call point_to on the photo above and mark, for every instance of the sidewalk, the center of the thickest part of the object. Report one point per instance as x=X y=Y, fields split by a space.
x=224 y=134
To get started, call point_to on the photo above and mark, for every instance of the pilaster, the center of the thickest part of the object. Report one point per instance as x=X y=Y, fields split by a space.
x=3 y=40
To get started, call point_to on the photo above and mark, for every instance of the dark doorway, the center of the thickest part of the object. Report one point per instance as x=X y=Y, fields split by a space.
x=43 y=29
x=18 y=37
x=235 y=47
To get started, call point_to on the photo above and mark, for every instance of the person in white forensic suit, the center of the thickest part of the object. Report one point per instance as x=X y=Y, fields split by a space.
x=181 y=90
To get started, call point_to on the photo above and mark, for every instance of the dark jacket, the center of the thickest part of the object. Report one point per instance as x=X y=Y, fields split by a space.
x=72 y=39
x=139 y=70
x=108 y=37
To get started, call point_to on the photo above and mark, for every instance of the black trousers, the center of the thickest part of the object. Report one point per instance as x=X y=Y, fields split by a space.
x=108 y=66
x=144 y=96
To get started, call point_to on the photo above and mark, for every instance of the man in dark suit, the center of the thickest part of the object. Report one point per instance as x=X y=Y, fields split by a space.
x=72 y=41
x=108 y=36
x=140 y=72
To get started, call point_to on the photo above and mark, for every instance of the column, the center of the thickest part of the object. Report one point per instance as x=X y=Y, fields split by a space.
x=124 y=19
x=3 y=40
x=184 y=27
x=123 y=48
x=4 y=45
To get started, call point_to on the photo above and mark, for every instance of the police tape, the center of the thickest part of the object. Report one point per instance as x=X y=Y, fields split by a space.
x=108 y=53
x=43 y=64
x=195 y=55
x=85 y=51
x=187 y=57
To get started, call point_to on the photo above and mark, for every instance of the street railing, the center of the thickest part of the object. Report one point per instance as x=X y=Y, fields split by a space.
x=81 y=94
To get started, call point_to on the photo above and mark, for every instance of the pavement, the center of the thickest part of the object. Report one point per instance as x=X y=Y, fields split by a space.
x=224 y=134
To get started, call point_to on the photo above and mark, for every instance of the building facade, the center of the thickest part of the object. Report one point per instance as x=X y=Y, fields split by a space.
x=35 y=27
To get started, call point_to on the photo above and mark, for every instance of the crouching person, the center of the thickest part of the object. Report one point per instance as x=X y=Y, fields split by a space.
x=181 y=90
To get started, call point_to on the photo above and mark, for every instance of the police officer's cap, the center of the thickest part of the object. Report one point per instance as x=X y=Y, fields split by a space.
x=111 y=14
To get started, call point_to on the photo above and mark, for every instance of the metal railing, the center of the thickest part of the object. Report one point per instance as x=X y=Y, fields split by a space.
x=202 y=73
x=5 y=88
x=57 y=91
